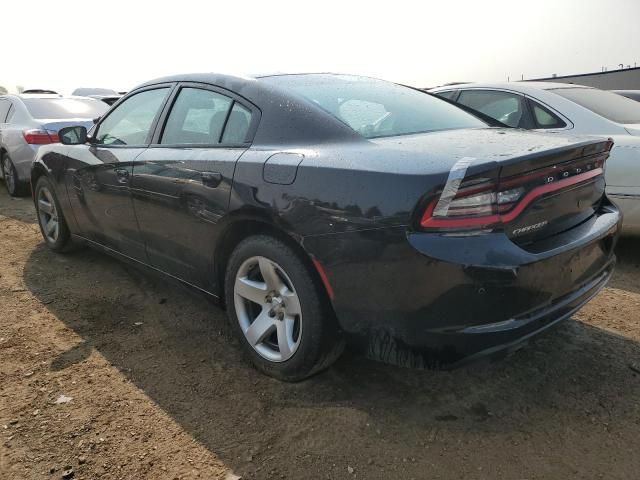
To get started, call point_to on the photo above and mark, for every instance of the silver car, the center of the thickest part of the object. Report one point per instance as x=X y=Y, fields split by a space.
x=632 y=94
x=567 y=108
x=29 y=121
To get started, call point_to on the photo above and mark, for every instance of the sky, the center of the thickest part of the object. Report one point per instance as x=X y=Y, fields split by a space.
x=119 y=44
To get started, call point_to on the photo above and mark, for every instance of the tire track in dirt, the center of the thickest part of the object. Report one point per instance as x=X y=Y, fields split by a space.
x=160 y=388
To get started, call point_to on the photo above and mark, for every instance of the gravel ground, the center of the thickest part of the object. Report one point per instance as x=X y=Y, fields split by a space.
x=108 y=372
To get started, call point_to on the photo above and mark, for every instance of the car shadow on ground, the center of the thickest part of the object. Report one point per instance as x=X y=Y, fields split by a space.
x=573 y=384
x=21 y=207
x=627 y=275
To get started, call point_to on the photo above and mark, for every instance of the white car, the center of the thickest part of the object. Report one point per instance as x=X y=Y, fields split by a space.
x=567 y=108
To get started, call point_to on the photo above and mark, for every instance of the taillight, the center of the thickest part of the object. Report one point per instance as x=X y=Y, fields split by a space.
x=40 y=137
x=487 y=203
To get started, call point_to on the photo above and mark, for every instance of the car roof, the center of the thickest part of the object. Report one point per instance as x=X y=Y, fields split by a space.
x=213 y=78
x=226 y=79
x=285 y=111
x=42 y=96
x=518 y=86
x=39 y=95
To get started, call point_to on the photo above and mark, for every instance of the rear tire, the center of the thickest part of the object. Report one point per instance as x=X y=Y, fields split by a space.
x=15 y=187
x=53 y=225
x=279 y=312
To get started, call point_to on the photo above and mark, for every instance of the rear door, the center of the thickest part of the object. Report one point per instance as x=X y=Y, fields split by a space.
x=99 y=174
x=181 y=185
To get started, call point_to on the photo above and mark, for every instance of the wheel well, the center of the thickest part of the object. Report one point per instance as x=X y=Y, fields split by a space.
x=241 y=229
x=36 y=173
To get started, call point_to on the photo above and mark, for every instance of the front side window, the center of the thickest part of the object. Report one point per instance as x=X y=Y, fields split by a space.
x=507 y=108
x=197 y=117
x=375 y=108
x=611 y=106
x=131 y=121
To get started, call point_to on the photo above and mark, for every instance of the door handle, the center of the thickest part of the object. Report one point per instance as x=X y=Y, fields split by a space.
x=122 y=175
x=211 y=179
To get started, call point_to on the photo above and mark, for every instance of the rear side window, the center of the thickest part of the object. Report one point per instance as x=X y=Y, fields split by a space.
x=62 y=108
x=12 y=110
x=611 y=106
x=130 y=122
x=505 y=107
x=237 y=126
x=4 y=109
x=204 y=117
x=197 y=117
x=450 y=95
x=629 y=94
x=545 y=118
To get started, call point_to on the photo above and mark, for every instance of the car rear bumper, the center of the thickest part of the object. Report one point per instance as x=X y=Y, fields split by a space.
x=22 y=159
x=425 y=299
x=496 y=338
x=629 y=205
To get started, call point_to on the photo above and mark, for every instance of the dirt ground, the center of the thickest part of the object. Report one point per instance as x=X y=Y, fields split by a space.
x=116 y=374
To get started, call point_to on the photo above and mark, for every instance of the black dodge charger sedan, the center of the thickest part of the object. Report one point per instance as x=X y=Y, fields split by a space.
x=320 y=207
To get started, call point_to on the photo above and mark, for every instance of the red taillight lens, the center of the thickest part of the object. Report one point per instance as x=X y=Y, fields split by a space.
x=40 y=137
x=486 y=204
x=472 y=206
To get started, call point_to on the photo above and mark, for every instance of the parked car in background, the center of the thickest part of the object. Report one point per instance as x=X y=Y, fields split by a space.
x=567 y=108
x=632 y=94
x=39 y=91
x=105 y=94
x=318 y=205
x=29 y=121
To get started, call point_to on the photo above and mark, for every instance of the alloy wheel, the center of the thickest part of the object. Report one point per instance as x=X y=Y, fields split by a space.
x=48 y=215
x=268 y=309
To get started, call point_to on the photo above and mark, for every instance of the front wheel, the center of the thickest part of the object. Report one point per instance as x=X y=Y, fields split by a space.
x=50 y=218
x=279 y=311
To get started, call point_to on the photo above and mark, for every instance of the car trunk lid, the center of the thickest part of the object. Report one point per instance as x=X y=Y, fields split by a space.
x=559 y=191
x=56 y=125
x=531 y=193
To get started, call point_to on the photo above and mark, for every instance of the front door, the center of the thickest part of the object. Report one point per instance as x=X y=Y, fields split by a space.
x=99 y=174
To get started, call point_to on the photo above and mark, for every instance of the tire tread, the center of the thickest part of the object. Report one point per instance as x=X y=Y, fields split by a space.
x=331 y=342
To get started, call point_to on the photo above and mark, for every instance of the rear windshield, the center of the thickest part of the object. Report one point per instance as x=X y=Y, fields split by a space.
x=632 y=94
x=375 y=108
x=59 y=108
x=614 y=107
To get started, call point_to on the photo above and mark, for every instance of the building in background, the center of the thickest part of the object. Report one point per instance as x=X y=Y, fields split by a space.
x=622 y=79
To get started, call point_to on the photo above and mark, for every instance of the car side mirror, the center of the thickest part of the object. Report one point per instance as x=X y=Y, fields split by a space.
x=73 y=135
